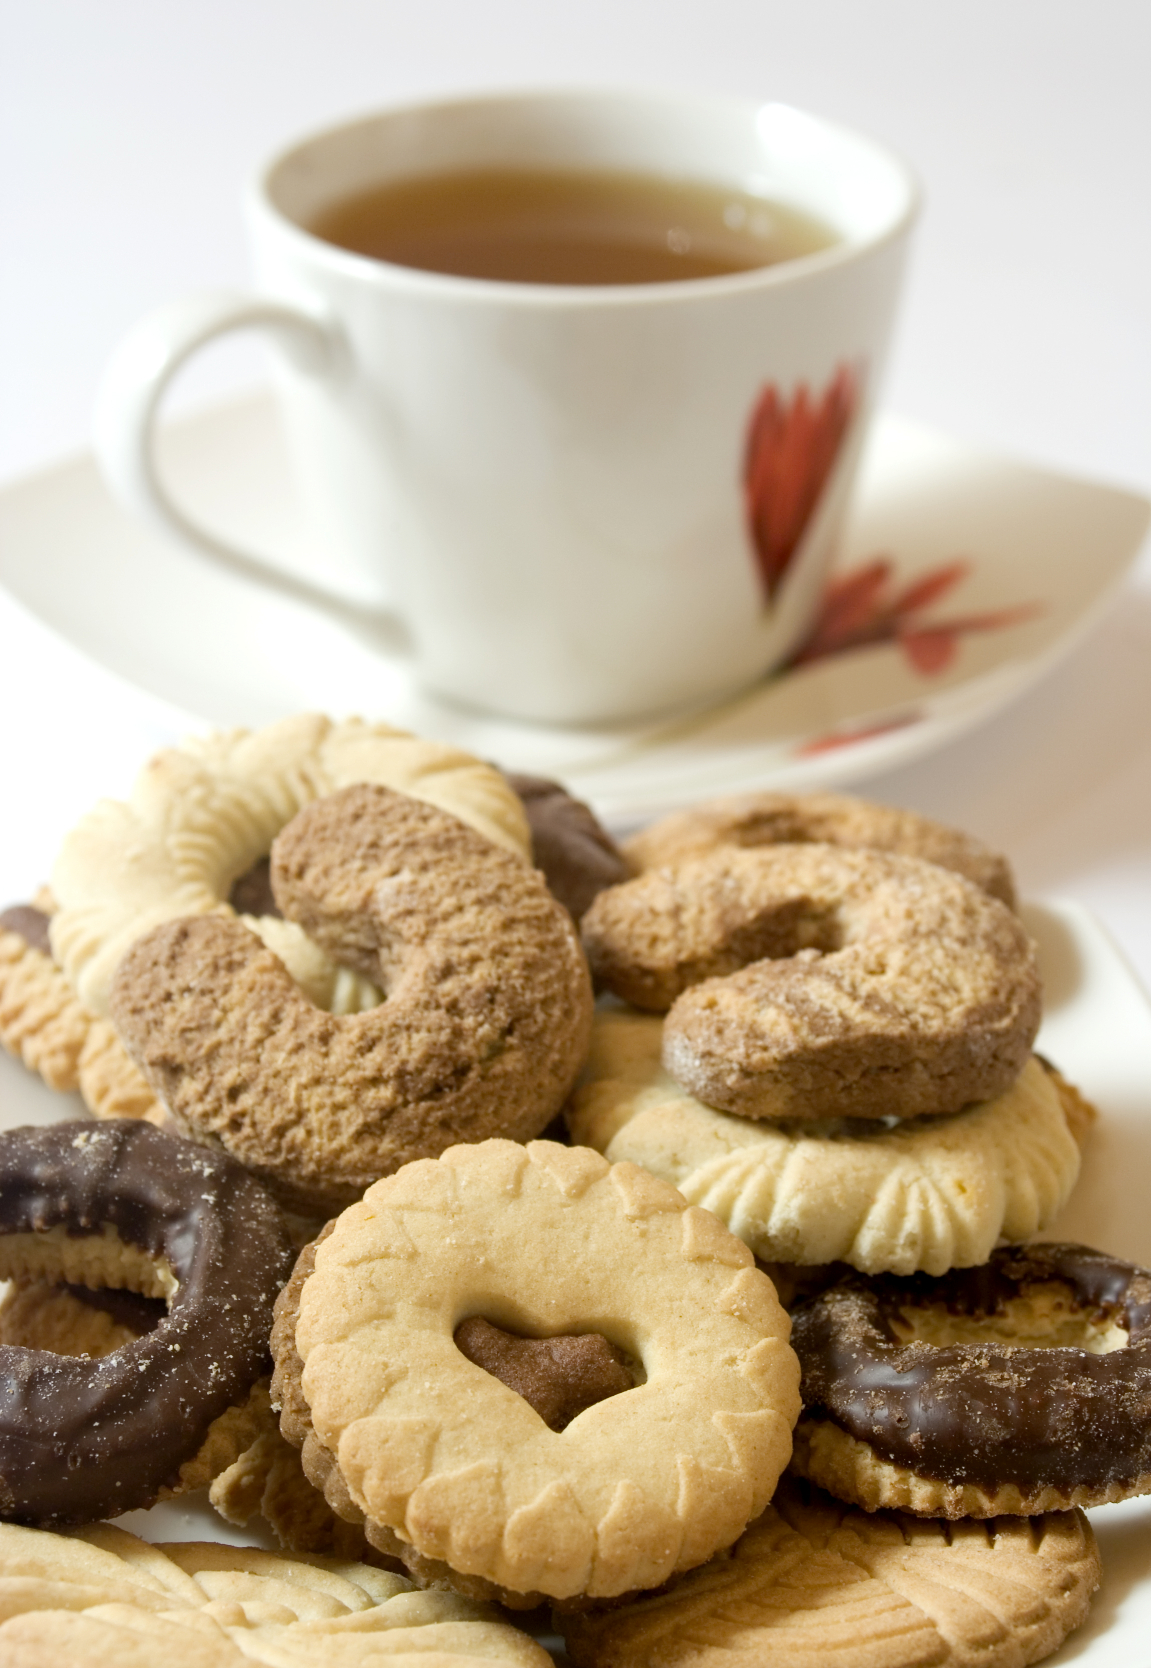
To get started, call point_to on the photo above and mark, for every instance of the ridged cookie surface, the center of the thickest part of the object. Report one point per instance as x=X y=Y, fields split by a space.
x=814 y=1584
x=99 y=1595
x=930 y=1194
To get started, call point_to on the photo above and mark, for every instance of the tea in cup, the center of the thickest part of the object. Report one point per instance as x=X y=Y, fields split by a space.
x=575 y=384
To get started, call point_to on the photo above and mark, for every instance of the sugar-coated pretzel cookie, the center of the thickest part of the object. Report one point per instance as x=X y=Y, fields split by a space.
x=98 y=1595
x=768 y=819
x=120 y=1204
x=814 y=1583
x=545 y=1241
x=810 y=981
x=484 y=1029
x=1021 y=1386
x=930 y=1194
x=201 y=815
x=578 y=856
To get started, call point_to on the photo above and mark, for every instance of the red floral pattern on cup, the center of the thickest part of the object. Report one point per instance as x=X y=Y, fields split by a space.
x=866 y=606
x=792 y=445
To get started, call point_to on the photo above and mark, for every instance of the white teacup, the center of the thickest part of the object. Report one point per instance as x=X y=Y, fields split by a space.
x=582 y=502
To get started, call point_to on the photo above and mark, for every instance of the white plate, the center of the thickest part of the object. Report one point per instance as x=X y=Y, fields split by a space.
x=1041 y=551
x=1097 y=1029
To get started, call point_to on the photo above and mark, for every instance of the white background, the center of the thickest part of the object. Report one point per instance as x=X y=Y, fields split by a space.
x=127 y=128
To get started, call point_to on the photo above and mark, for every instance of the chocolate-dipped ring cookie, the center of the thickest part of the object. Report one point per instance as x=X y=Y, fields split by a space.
x=194 y=836
x=483 y=1030
x=930 y=1193
x=816 y=982
x=122 y=1204
x=769 y=819
x=402 y=1427
x=578 y=856
x=1019 y=1387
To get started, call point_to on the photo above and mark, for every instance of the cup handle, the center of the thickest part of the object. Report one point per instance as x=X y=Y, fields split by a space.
x=134 y=384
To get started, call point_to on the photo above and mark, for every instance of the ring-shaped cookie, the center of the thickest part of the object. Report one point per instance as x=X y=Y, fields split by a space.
x=202 y=814
x=768 y=819
x=810 y=981
x=895 y=1415
x=119 y=1203
x=928 y=1194
x=544 y=1240
x=483 y=1031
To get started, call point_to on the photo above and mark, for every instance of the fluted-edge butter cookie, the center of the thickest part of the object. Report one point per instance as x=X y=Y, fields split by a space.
x=932 y=1193
x=543 y=1241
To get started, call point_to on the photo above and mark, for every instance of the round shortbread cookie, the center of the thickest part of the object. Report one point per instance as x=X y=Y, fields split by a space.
x=928 y=1194
x=97 y=1596
x=546 y=1241
x=813 y=1584
x=201 y=815
x=768 y=819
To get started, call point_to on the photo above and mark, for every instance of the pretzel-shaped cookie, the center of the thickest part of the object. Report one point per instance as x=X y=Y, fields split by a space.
x=837 y=819
x=484 y=1027
x=894 y=988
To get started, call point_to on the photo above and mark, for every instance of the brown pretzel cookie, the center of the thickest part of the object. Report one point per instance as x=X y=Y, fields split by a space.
x=768 y=819
x=119 y=1204
x=578 y=856
x=458 y=1465
x=1020 y=1386
x=816 y=982
x=98 y=1595
x=201 y=816
x=814 y=1583
x=483 y=1032
x=924 y=1193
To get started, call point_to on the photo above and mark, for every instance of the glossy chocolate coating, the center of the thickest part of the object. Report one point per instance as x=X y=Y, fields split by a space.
x=986 y=1414
x=82 y=1439
x=28 y=923
x=578 y=856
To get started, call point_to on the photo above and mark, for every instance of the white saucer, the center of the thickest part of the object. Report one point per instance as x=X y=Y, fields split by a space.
x=1043 y=550
x=1097 y=1029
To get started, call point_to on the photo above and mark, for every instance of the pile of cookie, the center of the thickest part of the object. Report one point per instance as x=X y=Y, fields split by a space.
x=323 y=987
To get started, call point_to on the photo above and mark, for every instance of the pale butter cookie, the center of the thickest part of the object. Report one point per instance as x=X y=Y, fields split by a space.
x=768 y=819
x=202 y=815
x=98 y=1596
x=484 y=1029
x=545 y=1241
x=931 y=1194
x=814 y=1583
x=808 y=981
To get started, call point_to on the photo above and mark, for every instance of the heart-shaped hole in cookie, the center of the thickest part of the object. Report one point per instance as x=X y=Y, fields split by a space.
x=559 y=1377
